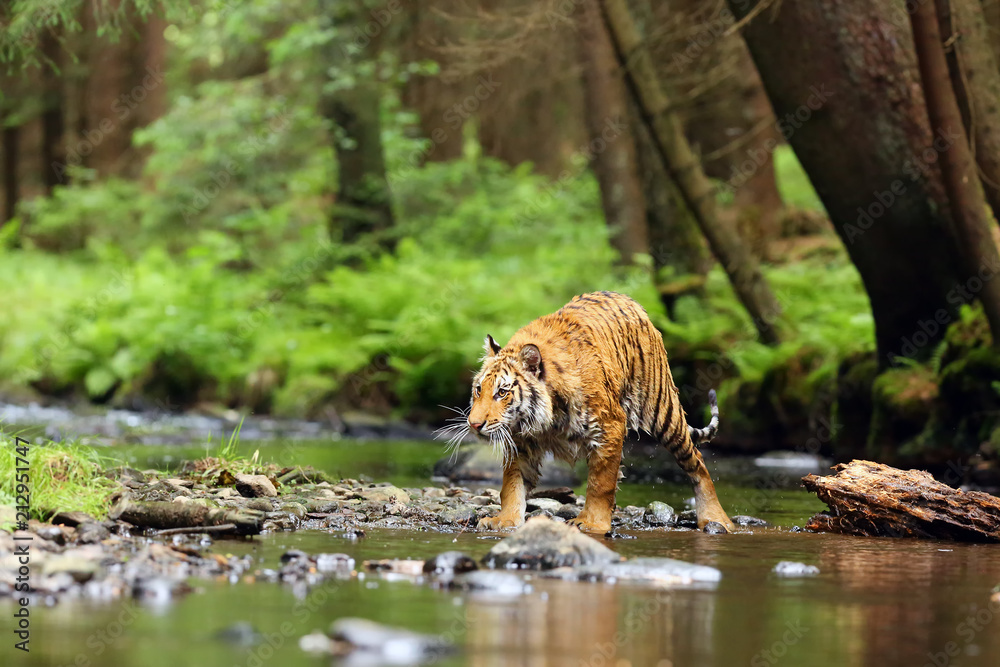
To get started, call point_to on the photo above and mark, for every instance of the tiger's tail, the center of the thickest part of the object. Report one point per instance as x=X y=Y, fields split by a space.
x=702 y=435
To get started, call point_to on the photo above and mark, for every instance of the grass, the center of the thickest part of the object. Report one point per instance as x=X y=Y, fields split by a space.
x=62 y=477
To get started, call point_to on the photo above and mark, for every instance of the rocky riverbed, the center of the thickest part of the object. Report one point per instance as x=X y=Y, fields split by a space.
x=165 y=530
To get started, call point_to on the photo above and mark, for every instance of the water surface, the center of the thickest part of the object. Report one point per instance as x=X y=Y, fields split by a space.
x=875 y=601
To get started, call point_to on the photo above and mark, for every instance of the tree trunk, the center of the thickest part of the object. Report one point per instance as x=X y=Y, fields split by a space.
x=975 y=78
x=53 y=126
x=364 y=204
x=680 y=259
x=991 y=12
x=699 y=194
x=613 y=157
x=10 y=189
x=726 y=114
x=968 y=207
x=876 y=500
x=844 y=84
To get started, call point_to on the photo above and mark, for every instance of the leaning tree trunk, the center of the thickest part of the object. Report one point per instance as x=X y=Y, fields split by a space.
x=726 y=114
x=613 y=158
x=698 y=192
x=364 y=205
x=844 y=84
x=968 y=208
x=975 y=77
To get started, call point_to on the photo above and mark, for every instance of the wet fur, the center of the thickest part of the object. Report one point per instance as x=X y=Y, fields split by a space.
x=573 y=383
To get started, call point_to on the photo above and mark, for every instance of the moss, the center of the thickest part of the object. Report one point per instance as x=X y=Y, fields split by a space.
x=852 y=411
x=902 y=400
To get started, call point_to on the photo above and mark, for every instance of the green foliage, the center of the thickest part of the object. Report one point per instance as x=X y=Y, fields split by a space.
x=62 y=476
x=793 y=183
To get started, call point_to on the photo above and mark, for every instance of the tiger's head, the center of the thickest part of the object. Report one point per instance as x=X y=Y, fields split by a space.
x=509 y=394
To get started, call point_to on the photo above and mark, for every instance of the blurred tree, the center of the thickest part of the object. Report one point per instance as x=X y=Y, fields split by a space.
x=724 y=108
x=744 y=273
x=965 y=194
x=680 y=259
x=975 y=77
x=842 y=79
x=613 y=151
x=351 y=100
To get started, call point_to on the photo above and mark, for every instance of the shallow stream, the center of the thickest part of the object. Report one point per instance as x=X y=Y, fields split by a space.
x=874 y=602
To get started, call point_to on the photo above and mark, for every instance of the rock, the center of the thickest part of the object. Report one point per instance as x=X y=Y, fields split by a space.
x=384 y=494
x=260 y=504
x=50 y=533
x=450 y=563
x=71 y=519
x=715 y=528
x=295 y=509
x=659 y=514
x=255 y=486
x=744 y=520
x=433 y=492
x=482 y=501
x=545 y=513
x=545 y=544
x=458 y=516
x=91 y=533
x=395 y=565
x=317 y=643
x=77 y=564
x=787 y=568
x=293 y=555
x=227 y=492
x=383 y=644
x=659 y=571
x=493 y=582
x=568 y=511
x=547 y=504
x=334 y=563
x=563 y=494
x=688 y=519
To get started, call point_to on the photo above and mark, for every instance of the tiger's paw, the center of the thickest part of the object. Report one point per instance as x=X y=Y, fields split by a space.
x=716 y=517
x=588 y=526
x=499 y=523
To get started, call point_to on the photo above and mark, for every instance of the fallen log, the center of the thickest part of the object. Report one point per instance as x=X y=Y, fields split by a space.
x=876 y=500
x=173 y=515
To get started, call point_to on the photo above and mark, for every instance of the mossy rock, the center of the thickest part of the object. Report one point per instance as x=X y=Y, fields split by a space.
x=970 y=332
x=903 y=399
x=853 y=409
x=970 y=398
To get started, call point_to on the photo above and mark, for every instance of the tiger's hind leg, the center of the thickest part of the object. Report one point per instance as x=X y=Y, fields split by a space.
x=707 y=505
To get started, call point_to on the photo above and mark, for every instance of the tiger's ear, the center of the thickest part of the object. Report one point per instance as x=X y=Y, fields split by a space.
x=492 y=348
x=531 y=358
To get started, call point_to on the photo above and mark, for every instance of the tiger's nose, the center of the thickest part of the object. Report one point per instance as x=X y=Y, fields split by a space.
x=476 y=426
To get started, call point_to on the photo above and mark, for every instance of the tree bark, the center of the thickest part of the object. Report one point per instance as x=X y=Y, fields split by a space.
x=843 y=81
x=876 y=500
x=10 y=160
x=975 y=78
x=364 y=203
x=614 y=156
x=726 y=114
x=968 y=207
x=53 y=125
x=991 y=12
x=749 y=284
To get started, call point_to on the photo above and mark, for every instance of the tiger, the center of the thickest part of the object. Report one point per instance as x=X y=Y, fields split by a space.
x=572 y=384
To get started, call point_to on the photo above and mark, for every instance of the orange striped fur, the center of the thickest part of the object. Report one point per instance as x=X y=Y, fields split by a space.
x=573 y=383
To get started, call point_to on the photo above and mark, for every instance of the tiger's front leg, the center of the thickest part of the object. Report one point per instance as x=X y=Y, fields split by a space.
x=512 y=499
x=603 y=464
